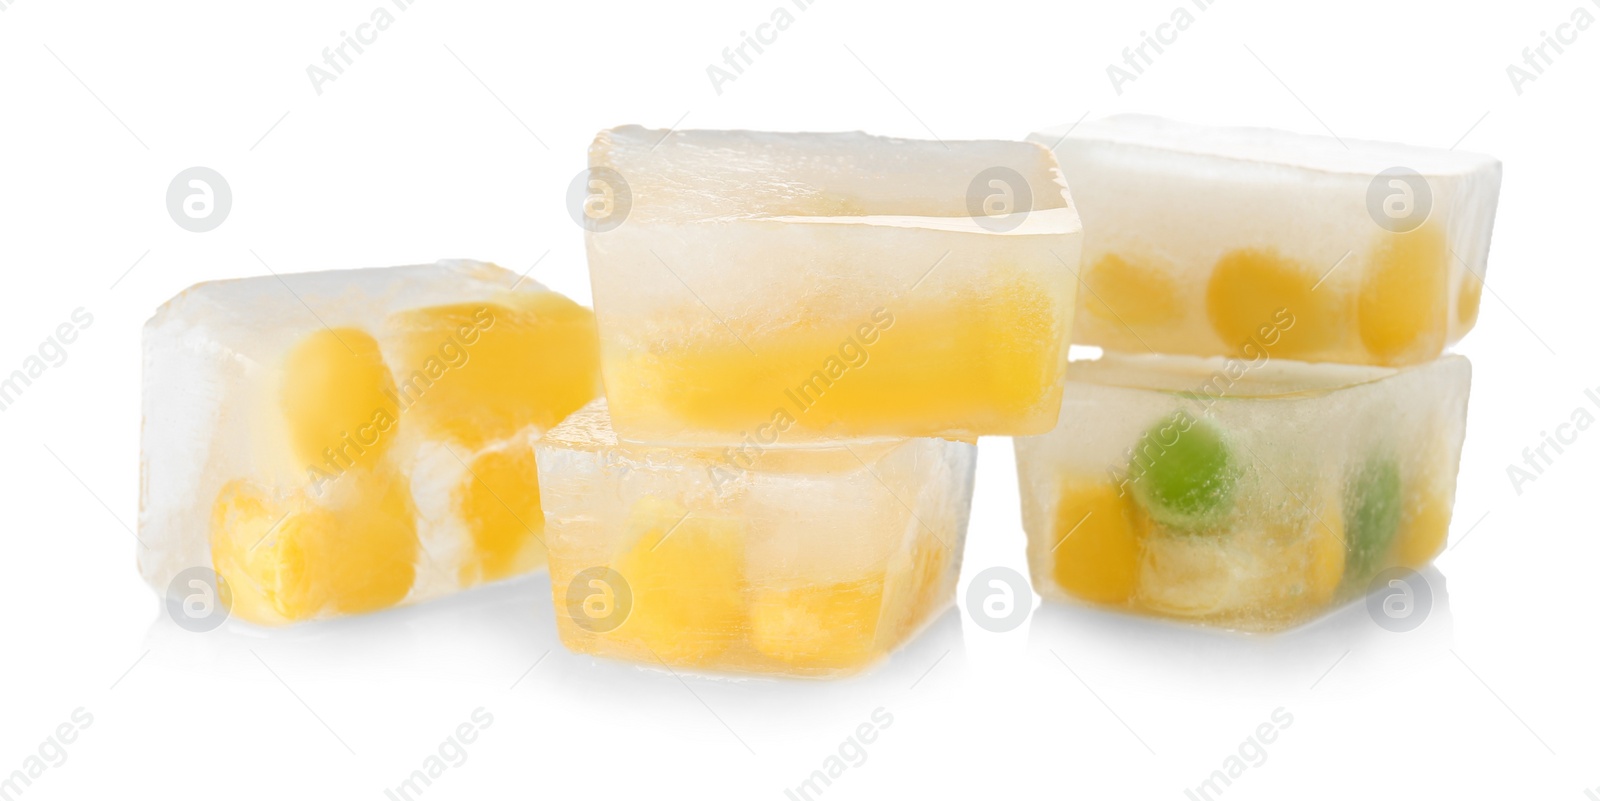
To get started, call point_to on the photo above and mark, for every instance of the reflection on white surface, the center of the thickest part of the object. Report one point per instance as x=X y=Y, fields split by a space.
x=504 y=637
x=1305 y=656
x=505 y=633
x=1128 y=687
x=501 y=620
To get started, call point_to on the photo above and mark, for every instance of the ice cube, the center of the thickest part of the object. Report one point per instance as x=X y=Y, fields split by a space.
x=1246 y=495
x=339 y=442
x=788 y=288
x=808 y=561
x=1208 y=241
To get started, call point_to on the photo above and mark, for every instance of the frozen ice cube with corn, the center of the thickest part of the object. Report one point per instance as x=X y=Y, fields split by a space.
x=340 y=442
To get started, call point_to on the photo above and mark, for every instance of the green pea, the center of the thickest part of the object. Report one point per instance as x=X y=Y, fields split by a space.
x=1371 y=516
x=1184 y=474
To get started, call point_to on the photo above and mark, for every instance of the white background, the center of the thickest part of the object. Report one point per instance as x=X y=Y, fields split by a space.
x=456 y=134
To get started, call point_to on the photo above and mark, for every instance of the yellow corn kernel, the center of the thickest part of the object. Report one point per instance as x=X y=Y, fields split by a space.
x=1133 y=293
x=1403 y=300
x=1189 y=575
x=1251 y=290
x=1424 y=528
x=915 y=583
x=929 y=558
x=500 y=503
x=1470 y=299
x=1256 y=578
x=337 y=397
x=1098 y=542
x=963 y=363
x=832 y=626
x=477 y=373
x=1327 y=553
x=686 y=574
x=296 y=559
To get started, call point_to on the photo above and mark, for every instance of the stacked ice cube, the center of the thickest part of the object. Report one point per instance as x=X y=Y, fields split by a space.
x=789 y=323
x=1256 y=499
x=832 y=285
x=1257 y=487
x=804 y=561
x=1198 y=237
x=341 y=442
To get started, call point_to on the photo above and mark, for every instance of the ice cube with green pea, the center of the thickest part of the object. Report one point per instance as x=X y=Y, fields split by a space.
x=1183 y=473
x=1252 y=495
